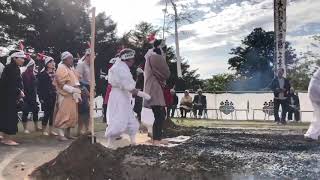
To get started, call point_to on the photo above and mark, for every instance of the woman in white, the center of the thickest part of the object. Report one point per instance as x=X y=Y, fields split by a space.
x=314 y=95
x=120 y=115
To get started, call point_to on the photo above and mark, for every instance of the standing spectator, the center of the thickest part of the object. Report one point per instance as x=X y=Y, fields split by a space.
x=185 y=104
x=294 y=106
x=11 y=93
x=280 y=87
x=199 y=104
x=30 y=99
x=138 y=100
x=172 y=108
x=68 y=96
x=156 y=72
x=83 y=69
x=47 y=95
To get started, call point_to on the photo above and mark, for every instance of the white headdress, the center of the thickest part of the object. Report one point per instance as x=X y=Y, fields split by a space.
x=65 y=55
x=30 y=63
x=126 y=54
x=47 y=59
x=18 y=54
x=114 y=60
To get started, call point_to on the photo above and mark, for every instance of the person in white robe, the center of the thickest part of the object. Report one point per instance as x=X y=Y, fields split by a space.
x=314 y=95
x=120 y=115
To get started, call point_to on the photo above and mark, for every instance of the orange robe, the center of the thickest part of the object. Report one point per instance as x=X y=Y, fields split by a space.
x=66 y=108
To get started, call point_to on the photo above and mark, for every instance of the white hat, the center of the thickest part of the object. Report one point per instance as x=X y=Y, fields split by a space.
x=18 y=54
x=47 y=59
x=114 y=60
x=126 y=54
x=65 y=55
x=30 y=63
x=199 y=90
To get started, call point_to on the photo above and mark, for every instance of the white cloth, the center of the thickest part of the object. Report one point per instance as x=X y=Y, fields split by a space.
x=120 y=115
x=47 y=59
x=147 y=118
x=65 y=55
x=314 y=95
x=83 y=69
x=1 y=69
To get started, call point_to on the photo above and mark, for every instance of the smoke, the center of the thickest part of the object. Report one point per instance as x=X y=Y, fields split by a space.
x=258 y=81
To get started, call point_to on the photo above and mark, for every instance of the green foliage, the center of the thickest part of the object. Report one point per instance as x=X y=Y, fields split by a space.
x=220 y=82
x=254 y=58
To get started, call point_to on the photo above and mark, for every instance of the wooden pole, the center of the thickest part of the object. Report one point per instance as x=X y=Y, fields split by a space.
x=92 y=74
x=179 y=72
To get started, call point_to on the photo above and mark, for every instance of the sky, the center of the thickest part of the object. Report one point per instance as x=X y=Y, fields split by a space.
x=218 y=26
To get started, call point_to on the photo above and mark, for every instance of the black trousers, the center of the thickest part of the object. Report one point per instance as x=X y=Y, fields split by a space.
x=30 y=107
x=295 y=112
x=184 y=112
x=199 y=109
x=104 y=111
x=284 y=107
x=171 y=109
x=48 y=109
x=159 y=118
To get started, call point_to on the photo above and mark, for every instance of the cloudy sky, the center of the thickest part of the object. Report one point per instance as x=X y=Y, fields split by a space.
x=218 y=25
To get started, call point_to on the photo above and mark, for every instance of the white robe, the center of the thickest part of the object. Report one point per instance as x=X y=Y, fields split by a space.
x=120 y=115
x=314 y=95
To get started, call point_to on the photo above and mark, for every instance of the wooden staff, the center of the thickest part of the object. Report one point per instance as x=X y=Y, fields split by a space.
x=92 y=81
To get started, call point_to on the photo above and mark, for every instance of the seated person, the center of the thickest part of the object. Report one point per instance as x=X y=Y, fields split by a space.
x=185 y=104
x=172 y=108
x=294 y=105
x=199 y=104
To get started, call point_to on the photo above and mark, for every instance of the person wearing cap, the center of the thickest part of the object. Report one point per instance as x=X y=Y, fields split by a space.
x=11 y=94
x=47 y=94
x=199 y=104
x=120 y=115
x=68 y=96
x=156 y=72
x=30 y=99
x=185 y=104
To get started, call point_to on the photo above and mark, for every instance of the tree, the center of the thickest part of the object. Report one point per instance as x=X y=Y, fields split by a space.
x=253 y=60
x=137 y=39
x=220 y=82
x=301 y=72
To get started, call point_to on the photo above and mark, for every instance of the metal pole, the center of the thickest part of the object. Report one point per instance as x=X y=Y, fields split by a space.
x=92 y=81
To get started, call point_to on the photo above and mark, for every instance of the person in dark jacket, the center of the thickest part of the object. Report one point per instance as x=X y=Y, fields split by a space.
x=172 y=108
x=30 y=99
x=138 y=100
x=294 y=106
x=11 y=94
x=47 y=95
x=281 y=88
x=199 y=104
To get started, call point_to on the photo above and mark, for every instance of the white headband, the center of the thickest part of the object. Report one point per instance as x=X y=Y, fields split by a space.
x=47 y=59
x=114 y=60
x=128 y=55
x=30 y=63
x=19 y=54
x=65 y=55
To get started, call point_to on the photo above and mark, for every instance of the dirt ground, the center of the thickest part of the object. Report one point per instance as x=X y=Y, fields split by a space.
x=209 y=154
x=272 y=153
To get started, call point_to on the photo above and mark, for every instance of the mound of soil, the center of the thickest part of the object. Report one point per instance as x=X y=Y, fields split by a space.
x=209 y=154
